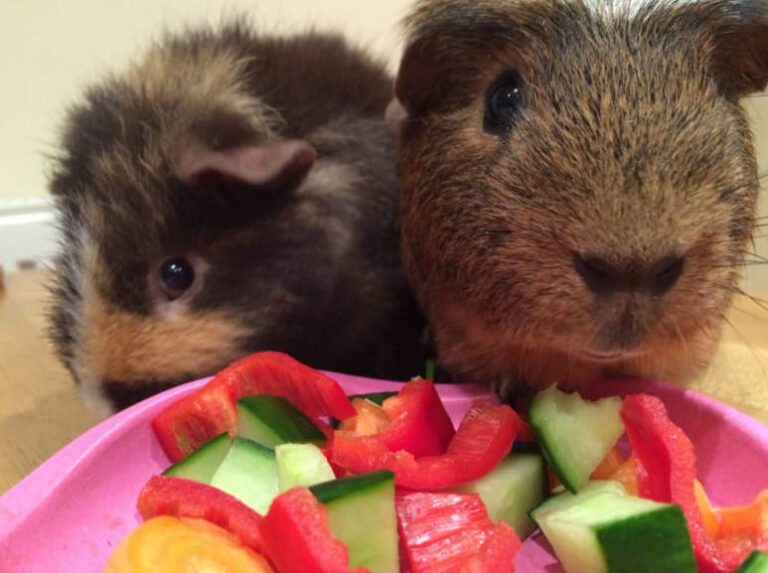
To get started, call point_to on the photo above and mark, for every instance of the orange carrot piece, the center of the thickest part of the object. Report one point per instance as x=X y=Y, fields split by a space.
x=616 y=468
x=371 y=419
x=610 y=465
x=745 y=520
x=708 y=515
x=168 y=543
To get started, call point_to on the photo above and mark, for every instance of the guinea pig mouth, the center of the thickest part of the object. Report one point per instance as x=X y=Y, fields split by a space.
x=597 y=356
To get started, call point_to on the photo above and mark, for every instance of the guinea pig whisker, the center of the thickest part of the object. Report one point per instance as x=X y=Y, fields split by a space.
x=761 y=302
x=755 y=256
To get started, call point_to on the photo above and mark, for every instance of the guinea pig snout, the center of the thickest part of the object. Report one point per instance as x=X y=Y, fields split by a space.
x=604 y=277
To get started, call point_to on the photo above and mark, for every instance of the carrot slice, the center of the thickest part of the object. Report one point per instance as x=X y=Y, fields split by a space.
x=615 y=467
x=708 y=515
x=168 y=543
x=371 y=418
x=746 y=520
x=610 y=464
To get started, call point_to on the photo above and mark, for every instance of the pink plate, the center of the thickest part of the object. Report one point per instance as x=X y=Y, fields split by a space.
x=71 y=512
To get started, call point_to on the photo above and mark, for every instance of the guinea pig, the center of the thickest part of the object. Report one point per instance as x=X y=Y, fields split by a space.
x=230 y=192
x=578 y=182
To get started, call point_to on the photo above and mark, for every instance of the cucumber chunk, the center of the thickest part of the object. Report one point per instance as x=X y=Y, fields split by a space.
x=301 y=465
x=601 y=529
x=201 y=464
x=511 y=490
x=272 y=420
x=757 y=562
x=248 y=472
x=361 y=514
x=575 y=434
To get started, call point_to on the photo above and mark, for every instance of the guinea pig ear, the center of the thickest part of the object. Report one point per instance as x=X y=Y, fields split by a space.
x=741 y=53
x=447 y=42
x=415 y=80
x=273 y=164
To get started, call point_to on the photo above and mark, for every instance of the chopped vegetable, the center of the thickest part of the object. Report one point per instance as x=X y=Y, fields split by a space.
x=277 y=374
x=209 y=411
x=484 y=437
x=370 y=419
x=419 y=423
x=575 y=434
x=178 y=497
x=511 y=489
x=301 y=465
x=194 y=420
x=297 y=539
x=615 y=468
x=708 y=515
x=361 y=514
x=167 y=543
x=757 y=562
x=666 y=472
x=201 y=464
x=601 y=529
x=451 y=532
x=413 y=420
x=248 y=472
x=272 y=420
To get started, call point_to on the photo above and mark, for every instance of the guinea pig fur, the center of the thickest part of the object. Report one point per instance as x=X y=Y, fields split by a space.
x=578 y=182
x=231 y=192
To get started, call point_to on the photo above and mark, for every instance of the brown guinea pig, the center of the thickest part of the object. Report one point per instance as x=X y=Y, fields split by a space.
x=578 y=182
x=231 y=192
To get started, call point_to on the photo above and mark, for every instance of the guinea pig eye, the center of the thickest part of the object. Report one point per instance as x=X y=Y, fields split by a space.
x=176 y=277
x=504 y=100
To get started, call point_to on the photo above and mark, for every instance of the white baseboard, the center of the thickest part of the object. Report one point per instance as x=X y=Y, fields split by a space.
x=28 y=240
x=27 y=234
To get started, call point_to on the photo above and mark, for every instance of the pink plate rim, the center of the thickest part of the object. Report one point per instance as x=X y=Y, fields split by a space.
x=69 y=513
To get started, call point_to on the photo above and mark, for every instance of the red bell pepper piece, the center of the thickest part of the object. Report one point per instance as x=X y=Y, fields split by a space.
x=666 y=471
x=179 y=497
x=484 y=437
x=278 y=374
x=297 y=539
x=419 y=423
x=443 y=531
x=194 y=420
x=209 y=411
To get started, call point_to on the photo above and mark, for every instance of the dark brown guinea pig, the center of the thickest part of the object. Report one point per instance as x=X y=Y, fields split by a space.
x=230 y=193
x=578 y=182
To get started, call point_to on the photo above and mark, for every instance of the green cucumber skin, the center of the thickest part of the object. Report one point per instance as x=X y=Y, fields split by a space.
x=629 y=534
x=272 y=420
x=201 y=464
x=564 y=426
x=249 y=473
x=375 y=397
x=512 y=489
x=328 y=492
x=668 y=525
x=757 y=562
x=361 y=514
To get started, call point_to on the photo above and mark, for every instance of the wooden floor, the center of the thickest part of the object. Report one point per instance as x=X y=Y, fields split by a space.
x=40 y=410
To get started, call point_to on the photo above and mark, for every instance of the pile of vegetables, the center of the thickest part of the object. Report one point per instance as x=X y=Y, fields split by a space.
x=275 y=469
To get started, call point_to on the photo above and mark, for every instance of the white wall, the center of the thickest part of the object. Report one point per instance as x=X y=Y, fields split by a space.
x=50 y=49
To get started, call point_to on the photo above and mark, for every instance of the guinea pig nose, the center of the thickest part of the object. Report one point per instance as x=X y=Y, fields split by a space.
x=600 y=276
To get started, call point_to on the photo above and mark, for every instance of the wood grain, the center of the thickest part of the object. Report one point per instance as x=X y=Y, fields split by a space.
x=40 y=410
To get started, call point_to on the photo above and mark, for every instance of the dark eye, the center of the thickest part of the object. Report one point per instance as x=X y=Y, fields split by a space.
x=503 y=103
x=176 y=277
